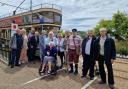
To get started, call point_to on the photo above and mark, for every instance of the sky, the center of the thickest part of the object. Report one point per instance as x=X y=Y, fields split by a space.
x=80 y=14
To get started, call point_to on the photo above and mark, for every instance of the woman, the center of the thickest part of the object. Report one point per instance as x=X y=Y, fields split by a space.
x=60 y=48
x=49 y=56
x=23 y=55
x=52 y=38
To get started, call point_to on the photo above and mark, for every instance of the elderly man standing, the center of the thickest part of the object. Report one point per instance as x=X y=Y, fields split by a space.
x=88 y=55
x=32 y=32
x=33 y=43
x=42 y=43
x=16 y=44
x=74 y=45
x=105 y=52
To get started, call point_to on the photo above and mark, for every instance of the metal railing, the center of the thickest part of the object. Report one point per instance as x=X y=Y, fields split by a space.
x=39 y=6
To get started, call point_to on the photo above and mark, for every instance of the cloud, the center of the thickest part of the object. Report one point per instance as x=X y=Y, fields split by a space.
x=81 y=14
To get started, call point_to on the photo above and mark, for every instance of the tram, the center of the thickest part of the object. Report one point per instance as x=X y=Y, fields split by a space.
x=41 y=17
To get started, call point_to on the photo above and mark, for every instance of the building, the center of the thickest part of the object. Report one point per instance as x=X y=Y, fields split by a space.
x=41 y=17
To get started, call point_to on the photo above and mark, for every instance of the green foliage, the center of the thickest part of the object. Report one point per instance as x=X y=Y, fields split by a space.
x=122 y=47
x=83 y=34
x=117 y=26
x=120 y=24
x=104 y=23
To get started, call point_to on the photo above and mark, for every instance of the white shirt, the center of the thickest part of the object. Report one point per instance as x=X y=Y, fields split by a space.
x=102 y=41
x=61 y=44
x=88 y=46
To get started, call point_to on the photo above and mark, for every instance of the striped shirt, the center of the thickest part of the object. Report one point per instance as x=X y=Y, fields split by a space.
x=77 y=41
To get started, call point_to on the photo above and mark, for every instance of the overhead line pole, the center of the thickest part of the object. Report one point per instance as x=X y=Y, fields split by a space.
x=14 y=12
x=31 y=11
x=11 y=5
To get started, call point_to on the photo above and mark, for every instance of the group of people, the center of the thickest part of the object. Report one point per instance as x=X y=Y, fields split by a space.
x=68 y=48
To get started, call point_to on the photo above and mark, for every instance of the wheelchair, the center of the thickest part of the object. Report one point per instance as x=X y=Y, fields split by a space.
x=54 y=67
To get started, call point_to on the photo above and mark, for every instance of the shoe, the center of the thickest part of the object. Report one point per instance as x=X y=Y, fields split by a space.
x=101 y=82
x=34 y=62
x=111 y=86
x=12 y=66
x=91 y=78
x=49 y=72
x=71 y=71
x=42 y=71
x=17 y=65
x=76 y=72
x=83 y=76
x=61 y=66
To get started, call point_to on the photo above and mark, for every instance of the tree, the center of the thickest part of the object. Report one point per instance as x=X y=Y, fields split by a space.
x=83 y=34
x=104 y=23
x=120 y=24
x=117 y=26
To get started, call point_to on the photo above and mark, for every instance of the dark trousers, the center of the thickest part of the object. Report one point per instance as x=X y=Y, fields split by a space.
x=101 y=62
x=61 y=55
x=15 y=55
x=88 y=64
x=31 y=54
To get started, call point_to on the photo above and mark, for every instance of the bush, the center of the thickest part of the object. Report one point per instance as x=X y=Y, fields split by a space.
x=122 y=47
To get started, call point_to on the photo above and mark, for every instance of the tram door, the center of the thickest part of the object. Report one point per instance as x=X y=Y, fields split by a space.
x=5 y=36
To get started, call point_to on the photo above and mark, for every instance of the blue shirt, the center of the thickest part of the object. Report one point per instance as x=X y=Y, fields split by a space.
x=88 y=46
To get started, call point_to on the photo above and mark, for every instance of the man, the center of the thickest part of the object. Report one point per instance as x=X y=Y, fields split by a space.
x=16 y=44
x=33 y=43
x=88 y=55
x=42 y=43
x=105 y=52
x=31 y=33
x=74 y=45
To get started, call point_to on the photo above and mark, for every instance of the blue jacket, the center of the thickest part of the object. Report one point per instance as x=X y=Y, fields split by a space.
x=52 y=51
x=109 y=49
x=42 y=41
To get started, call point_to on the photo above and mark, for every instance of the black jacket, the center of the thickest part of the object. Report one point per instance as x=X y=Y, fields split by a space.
x=109 y=49
x=33 y=42
x=19 y=41
x=92 y=46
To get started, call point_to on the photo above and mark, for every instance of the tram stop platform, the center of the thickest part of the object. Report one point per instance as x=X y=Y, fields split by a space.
x=26 y=77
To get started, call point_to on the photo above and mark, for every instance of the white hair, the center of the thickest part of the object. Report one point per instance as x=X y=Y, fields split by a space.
x=51 y=42
x=103 y=29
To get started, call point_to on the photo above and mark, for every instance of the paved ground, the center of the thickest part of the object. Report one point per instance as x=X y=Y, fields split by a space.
x=27 y=77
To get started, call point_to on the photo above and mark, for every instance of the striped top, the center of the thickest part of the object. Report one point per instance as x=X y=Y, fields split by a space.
x=77 y=41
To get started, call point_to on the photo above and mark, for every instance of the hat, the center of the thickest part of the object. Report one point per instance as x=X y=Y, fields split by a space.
x=74 y=30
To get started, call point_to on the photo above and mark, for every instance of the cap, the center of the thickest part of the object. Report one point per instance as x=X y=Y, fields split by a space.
x=74 y=30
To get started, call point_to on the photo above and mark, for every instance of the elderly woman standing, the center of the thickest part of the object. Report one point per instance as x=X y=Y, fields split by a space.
x=60 y=48
x=52 y=38
x=23 y=55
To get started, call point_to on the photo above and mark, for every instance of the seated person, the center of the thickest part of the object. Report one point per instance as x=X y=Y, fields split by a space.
x=49 y=56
